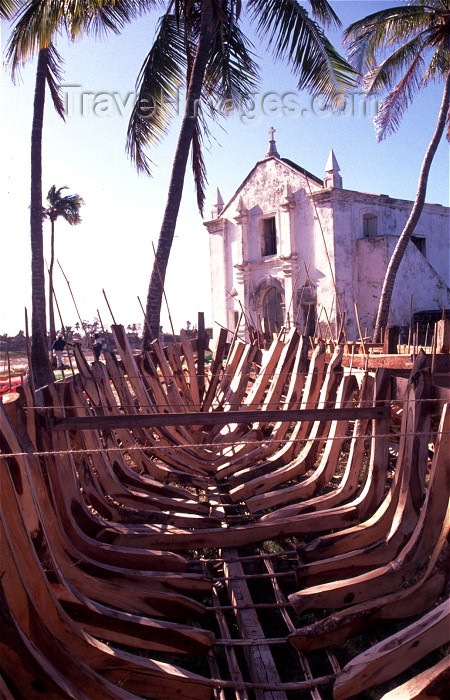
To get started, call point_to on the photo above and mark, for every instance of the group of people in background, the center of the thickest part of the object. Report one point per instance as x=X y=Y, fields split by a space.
x=59 y=345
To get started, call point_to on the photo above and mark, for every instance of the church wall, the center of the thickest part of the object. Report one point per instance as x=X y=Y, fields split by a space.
x=360 y=231
x=266 y=194
x=361 y=262
x=415 y=279
x=218 y=273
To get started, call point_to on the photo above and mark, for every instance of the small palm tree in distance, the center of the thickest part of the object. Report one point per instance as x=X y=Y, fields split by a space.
x=68 y=207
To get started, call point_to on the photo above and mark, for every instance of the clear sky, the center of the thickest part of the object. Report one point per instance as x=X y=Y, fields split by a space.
x=112 y=248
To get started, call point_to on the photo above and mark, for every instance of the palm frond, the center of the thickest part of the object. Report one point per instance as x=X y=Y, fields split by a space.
x=232 y=73
x=324 y=13
x=408 y=34
x=396 y=103
x=103 y=16
x=439 y=66
x=53 y=75
x=294 y=36
x=68 y=206
x=198 y=164
x=385 y=75
x=8 y=8
x=38 y=21
x=381 y=29
x=35 y=27
x=157 y=88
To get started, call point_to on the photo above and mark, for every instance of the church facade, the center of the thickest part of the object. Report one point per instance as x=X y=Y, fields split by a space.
x=292 y=249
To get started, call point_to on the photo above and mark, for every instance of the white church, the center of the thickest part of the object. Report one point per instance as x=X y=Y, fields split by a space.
x=292 y=249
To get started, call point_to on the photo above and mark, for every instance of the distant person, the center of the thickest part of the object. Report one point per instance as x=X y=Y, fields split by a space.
x=58 y=346
x=97 y=347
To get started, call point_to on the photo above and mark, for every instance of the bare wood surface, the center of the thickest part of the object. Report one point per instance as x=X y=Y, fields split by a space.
x=393 y=655
x=431 y=684
x=140 y=421
x=261 y=664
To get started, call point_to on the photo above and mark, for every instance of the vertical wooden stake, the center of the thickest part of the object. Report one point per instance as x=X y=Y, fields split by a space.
x=73 y=298
x=201 y=346
x=433 y=358
x=9 y=367
x=109 y=308
x=359 y=328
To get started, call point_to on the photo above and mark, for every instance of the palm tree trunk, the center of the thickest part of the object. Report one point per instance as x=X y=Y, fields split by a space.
x=156 y=287
x=51 y=313
x=405 y=236
x=40 y=363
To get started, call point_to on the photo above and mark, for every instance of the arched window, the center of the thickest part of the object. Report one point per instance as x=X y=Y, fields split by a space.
x=272 y=310
x=370 y=225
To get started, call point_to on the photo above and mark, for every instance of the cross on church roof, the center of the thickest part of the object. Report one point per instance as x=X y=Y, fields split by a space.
x=272 y=150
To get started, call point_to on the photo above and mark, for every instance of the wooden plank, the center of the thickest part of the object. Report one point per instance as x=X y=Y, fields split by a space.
x=201 y=347
x=215 y=370
x=190 y=364
x=261 y=665
x=390 y=340
x=393 y=655
x=199 y=418
x=431 y=684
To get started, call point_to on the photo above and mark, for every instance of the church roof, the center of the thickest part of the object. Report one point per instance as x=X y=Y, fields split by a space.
x=286 y=162
x=302 y=170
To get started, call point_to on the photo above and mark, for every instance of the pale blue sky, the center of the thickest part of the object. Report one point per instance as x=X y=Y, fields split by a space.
x=112 y=248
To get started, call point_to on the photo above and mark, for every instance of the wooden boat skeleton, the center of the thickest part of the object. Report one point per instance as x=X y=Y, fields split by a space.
x=153 y=505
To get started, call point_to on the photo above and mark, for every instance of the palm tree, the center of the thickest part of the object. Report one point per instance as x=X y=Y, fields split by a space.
x=416 y=37
x=202 y=45
x=67 y=207
x=36 y=24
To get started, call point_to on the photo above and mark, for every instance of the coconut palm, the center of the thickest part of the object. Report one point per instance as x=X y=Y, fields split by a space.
x=67 y=207
x=200 y=45
x=37 y=23
x=413 y=41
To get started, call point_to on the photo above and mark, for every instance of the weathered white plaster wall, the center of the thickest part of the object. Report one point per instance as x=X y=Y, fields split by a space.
x=360 y=263
x=416 y=280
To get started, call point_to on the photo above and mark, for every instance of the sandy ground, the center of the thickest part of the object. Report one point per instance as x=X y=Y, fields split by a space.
x=19 y=363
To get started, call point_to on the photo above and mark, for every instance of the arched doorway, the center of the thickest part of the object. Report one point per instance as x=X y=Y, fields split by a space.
x=272 y=310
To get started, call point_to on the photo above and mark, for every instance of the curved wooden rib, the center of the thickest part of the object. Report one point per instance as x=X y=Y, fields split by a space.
x=350 y=481
x=327 y=466
x=406 y=491
x=428 y=685
x=289 y=450
x=393 y=655
x=419 y=533
x=309 y=452
x=151 y=592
